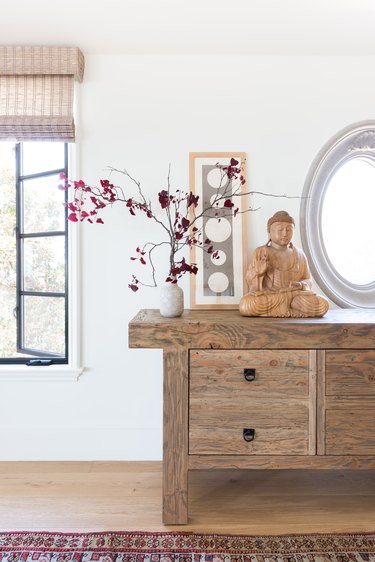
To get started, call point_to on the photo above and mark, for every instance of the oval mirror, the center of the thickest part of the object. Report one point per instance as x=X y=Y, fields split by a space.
x=337 y=215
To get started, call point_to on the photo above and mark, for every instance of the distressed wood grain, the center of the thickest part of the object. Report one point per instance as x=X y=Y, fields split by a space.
x=350 y=372
x=277 y=440
x=278 y=374
x=311 y=403
x=175 y=437
x=351 y=431
x=227 y=329
x=223 y=403
x=320 y=402
x=270 y=462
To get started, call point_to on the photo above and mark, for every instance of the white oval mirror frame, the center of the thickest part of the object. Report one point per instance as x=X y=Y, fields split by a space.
x=354 y=143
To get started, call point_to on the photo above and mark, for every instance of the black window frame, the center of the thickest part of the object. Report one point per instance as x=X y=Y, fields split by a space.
x=36 y=357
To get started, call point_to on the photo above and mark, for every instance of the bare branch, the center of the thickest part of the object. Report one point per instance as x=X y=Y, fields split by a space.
x=180 y=215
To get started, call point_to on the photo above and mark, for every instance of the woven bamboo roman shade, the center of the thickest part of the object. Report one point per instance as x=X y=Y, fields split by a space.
x=37 y=91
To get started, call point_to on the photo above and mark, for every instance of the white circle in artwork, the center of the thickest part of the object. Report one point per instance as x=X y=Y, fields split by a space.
x=215 y=178
x=219 y=204
x=218 y=230
x=221 y=258
x=218 y=282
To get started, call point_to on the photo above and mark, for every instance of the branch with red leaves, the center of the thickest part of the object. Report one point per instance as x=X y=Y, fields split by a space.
x=176 y=214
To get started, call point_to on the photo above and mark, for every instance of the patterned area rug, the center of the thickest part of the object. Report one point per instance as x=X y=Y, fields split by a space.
x=184 y=547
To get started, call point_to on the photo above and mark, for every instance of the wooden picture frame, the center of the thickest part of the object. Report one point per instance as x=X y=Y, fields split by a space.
x=219 y=284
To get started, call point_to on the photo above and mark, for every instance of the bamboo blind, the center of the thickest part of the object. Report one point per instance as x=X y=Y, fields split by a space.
x=37 y=92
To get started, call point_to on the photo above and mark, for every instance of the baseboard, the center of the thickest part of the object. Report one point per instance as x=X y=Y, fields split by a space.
x=34 y=444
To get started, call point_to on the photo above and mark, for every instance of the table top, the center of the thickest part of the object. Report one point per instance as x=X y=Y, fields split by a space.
x=227 y=329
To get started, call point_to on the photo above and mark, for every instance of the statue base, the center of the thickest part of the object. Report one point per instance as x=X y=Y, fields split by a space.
x=284 y=303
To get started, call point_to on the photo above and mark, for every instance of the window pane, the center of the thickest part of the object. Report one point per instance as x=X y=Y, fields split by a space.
x=43 y=205
x=8 y=326
x=44 y=324
x=347 y=221
x=42 y=157
x=44 y=264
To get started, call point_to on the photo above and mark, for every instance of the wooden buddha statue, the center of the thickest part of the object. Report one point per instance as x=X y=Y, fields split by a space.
x=279 y=277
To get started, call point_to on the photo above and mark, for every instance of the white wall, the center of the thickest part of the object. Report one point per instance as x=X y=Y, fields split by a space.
x=142 y=113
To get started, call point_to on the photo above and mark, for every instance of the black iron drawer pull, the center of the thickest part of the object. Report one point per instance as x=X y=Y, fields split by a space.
x=248 y=434
x=249 y=374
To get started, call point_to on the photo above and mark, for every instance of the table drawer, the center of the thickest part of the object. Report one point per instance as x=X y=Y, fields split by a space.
x=255 y=373
x=350 y=372
x=350 y=429
x=241 y=427
x=249 y=402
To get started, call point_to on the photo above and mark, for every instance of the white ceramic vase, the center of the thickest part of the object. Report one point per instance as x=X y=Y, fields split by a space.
x=171 y=300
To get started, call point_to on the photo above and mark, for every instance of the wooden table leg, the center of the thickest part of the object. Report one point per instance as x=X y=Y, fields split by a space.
x=175 y=437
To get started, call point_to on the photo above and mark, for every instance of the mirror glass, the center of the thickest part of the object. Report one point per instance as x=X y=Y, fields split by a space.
x=347 y=221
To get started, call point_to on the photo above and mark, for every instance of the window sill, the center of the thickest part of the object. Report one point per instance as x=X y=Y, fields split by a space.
x=54 y=373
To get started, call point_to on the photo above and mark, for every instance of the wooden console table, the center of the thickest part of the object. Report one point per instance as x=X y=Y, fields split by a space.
x=261 y=393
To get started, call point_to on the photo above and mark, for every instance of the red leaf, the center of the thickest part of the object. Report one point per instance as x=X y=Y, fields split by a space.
x=228 y=203
x=100 y=221
x=163 y=198
x=73 y=217
x=192 y=200
x=133 y=287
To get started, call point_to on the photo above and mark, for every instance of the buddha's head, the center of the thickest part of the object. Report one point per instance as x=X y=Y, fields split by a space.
x=280 y=228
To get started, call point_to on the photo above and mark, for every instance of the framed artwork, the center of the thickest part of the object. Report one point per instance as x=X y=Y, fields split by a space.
x=219 y=283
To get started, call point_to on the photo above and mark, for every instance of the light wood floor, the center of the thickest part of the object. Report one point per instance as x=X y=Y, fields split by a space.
x=97 y=496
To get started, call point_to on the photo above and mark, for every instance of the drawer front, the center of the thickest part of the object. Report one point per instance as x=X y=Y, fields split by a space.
x=278 y=374
x=350 y=373
x=249 y=402
x=349 y=402
x=351 y=430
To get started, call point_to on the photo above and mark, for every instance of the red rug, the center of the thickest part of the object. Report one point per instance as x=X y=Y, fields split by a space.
x=184 y=547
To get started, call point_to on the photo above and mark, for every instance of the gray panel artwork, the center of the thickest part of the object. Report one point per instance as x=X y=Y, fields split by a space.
x=225 y=246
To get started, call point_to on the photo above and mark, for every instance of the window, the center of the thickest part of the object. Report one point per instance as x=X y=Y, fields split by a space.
x=37 y=101
x=337 y=214
x=33 y=253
